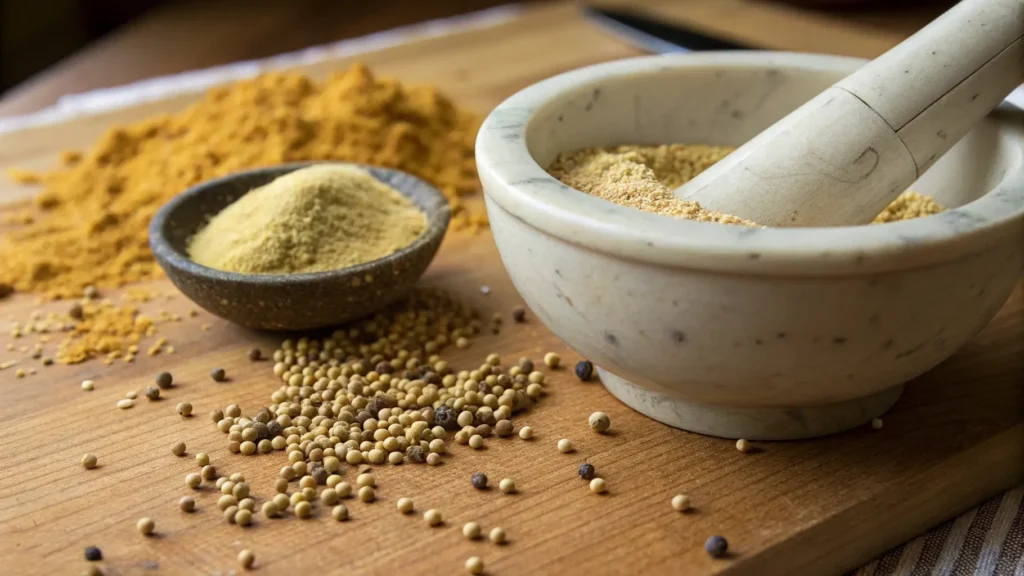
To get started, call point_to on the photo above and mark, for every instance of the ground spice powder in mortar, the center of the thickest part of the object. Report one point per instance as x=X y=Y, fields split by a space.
x=94 y=212
x=319 y=218
x=643 y=177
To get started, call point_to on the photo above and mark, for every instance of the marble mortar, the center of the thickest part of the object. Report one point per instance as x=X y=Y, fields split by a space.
x=765 y=334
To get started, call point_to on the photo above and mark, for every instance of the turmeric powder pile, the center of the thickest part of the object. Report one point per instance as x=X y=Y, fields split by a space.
x=95 y=211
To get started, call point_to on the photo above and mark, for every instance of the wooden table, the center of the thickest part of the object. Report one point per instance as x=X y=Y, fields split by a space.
x=811 y=507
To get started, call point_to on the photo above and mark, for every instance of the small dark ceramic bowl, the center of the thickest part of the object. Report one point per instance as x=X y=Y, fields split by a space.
x=291 y=301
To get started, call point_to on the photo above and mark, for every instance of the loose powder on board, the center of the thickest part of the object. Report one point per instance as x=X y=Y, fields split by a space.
x=320 y=218
x=643 y=177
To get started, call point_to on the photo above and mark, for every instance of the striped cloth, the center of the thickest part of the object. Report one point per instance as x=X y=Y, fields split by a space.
x=986 y=541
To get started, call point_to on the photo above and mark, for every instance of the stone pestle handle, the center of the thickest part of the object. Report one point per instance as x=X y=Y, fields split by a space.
x=842 y=157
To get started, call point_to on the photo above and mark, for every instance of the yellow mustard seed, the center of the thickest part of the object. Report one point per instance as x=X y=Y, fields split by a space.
x=247 y=504
x=743 y=445
x=243 y=517
x=476 y=442
x=246 y=559
x=433 y=459
x=125 y=403
x=281 y=501
x=366 y=479
x=202 y=459
x=366 y=494
x=88 y=385
x=497 y=536
x=565 y=446
x=208 y=472
x=187 y=504
x=89 y=461
x=329 y=497
x=269 y=509
x=303 y=509
x=145 y=526
x=507 y=486
x=226 y=501
x=227 y=486
x=344 y=489
x=404 y=505
x=433 y=517
x=309 y=494
x=178 y=449
x=600 y=422
x=193 y=480
x=552 y=360
x=340 y=513
x=229 y=514
x=471 y=530
x=526 y=432
x=681 y=502
x=598 y=486
x=474 y=565
x=185 y=409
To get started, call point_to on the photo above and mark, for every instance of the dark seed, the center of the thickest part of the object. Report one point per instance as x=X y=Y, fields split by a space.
x=164 y=380
x=716 y=546
x=519 y=314
x=218 y=375
x=526 y=365
x=383 y=368
x=479 y=481
x=587 y=471
x=152 y=393
x=446 y=418
x=262 y=431
x=274 y=429
x=415 y=455
x=93 y=554
x=584 y=370
x=320 y=475
x=255 y=355
x=75 y=312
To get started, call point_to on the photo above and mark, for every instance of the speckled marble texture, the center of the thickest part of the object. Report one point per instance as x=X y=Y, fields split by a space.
x=292 y=301
x=760 y=321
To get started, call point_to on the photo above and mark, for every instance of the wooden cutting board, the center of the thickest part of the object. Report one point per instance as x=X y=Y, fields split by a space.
x=812 y=507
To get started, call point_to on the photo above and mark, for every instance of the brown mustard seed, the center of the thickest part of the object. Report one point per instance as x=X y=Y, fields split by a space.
x=185 y=409
x=153 y=393
x=503 y=428
x=255 y=355
x=218 y=375
x=519 y=314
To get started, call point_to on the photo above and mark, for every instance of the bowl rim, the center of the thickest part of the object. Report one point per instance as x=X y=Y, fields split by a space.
x=519 y=185
x=435 y=208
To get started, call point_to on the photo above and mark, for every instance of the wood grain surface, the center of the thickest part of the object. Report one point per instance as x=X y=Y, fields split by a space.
x=810 y=507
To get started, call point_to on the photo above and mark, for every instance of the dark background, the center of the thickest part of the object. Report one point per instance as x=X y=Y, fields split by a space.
x=49 y=46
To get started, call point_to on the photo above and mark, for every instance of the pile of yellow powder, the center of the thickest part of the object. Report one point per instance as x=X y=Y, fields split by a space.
x=319 y=218
x=643 y=177
x=93 y=213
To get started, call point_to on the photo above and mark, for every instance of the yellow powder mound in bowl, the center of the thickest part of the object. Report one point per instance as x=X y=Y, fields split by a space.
x=316 y=219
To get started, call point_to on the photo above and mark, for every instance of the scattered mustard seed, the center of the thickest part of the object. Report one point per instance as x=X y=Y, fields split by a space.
x=526 y=432
x=243 y=517
x=600 y=422
x=507 y=486
x=519 y=314
x=433 y=459
x=88 y=385
x=743 y=445
x=153 y=393
x=471 y=530
x=89 y=461
x=474 y=565
x=340 y=513
x=202 y=459
x=476 y=442
x=497 y=535
x=226 y=501
x=584 y=370
x=218 y=375
x=404 y=505
x=246 y=559
x=681 y=502
x=230 y=513
x=255 y=355
x=193 y=480
x=93 y=554
x=587 y=471
x=131 y=395
x=366 y=479
x=877 y=423
x=164 y=380
x=552 y=360
x=366 y=494
x=185 y=409
x=125 y=403
x=479 y=481
x=281 y=501
x=597 y=486
x=565 y=446
x=208 y=472
x=303 y=509
x=178 y=449
x=145 y=526
x=187 y=504
x=716 y=546
x=270 y=509
x=433 y=517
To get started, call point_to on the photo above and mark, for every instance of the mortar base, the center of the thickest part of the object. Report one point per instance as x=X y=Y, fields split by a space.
x=751 y=423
